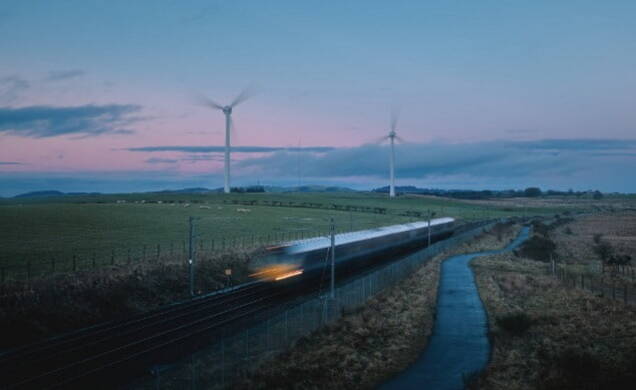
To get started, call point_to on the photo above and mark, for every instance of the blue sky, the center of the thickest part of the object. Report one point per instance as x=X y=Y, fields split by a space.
x=85 y=86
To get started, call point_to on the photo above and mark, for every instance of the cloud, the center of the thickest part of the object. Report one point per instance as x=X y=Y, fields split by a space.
x=11 y=88
x=580 y=144
x=235 y=149
x=203 y=157
x=10 y=163
x=58 y=75
x=156 y=160
x=47 y=121
x=494 y=159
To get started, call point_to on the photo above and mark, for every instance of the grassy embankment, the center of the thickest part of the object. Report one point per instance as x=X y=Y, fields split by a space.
x=547 y=336
x=365 y=348
x=46 y=307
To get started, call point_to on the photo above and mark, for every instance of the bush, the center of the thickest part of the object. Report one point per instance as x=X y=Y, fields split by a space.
x=532 y=192
x=516 y=323
x=538 y=248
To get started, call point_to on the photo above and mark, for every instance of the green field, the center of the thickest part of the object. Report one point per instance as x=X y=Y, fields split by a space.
x=96 y=228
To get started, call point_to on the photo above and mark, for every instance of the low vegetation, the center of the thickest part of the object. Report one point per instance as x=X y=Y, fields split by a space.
x=547 y=336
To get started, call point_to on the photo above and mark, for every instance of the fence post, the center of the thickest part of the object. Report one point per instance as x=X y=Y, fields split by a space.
x=286 y=328
x=193 y=373
x=582 y=281
x=247 y=345
x=222 y=362
x=158 y=251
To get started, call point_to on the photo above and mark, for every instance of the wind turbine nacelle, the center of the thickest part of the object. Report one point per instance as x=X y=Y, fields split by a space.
x=227 y=110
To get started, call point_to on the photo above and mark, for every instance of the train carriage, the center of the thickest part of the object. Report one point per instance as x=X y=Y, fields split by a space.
x=304 y=256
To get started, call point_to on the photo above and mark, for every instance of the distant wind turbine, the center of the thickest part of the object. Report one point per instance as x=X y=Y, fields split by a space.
x=392 y=137
x=227 y=110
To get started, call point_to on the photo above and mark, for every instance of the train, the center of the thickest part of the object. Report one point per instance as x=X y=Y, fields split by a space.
x=300 y=257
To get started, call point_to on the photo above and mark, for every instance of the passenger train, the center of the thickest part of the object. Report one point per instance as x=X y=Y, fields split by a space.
x=304 y=256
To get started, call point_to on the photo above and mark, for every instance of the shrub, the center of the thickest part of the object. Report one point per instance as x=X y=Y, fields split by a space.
x=538 y=248
x=597 y=238
x=516 y=323
x=532 y=192
x=603 y=250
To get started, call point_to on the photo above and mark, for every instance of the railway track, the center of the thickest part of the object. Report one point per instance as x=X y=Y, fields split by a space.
x=129 y=347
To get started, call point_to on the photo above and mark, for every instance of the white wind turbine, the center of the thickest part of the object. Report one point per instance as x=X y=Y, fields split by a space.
x=227 y=110
x=392 y=137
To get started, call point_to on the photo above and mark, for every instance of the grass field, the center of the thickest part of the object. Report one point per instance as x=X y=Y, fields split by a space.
x=39 y=230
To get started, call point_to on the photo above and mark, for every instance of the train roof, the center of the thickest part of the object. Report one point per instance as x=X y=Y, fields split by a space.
x=310 y=244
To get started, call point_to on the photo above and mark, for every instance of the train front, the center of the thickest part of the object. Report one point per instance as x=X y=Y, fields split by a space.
x=277 y=264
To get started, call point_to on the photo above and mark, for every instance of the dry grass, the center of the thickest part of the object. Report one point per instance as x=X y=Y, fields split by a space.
x=575 y=340
x=363 y=349
x=575 y=240
x=43 y=308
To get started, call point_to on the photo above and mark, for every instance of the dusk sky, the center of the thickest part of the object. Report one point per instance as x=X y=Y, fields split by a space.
x=102 y=95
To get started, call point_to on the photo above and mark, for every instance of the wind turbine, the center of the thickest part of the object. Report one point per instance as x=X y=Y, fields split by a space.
x=392 y=137
x=227 y=111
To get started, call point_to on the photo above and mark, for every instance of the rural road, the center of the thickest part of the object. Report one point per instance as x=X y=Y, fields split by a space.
x=459 y=345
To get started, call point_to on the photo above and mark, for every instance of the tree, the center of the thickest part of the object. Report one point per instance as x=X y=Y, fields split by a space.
x=598 y=195
x=532 y=192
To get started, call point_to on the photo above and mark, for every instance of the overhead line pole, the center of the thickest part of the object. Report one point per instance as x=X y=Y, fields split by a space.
x=333 y=260
x=191 y=255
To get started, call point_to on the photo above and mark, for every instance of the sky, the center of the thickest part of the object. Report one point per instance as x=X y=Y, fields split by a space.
x=107 y=95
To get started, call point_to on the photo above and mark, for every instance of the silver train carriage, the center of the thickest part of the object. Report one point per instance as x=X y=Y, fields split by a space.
x=303 y=256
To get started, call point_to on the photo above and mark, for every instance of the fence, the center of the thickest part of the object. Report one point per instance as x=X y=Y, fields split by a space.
x=175 y=251
x=236 y=354
x=621 y=285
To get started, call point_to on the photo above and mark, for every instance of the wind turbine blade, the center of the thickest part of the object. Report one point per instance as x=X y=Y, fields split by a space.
x=378 y=141
x=395 y=114
x=209 y=102
x=400 y=139
x=243 y=96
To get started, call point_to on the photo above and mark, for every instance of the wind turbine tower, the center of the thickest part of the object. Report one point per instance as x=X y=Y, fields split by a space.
x=227 y=111
x=392 y=137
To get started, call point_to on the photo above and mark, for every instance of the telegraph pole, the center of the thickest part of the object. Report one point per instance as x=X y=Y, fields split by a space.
x=431 y=214
x=429 y=227
x=191 y=255
x=333 y=260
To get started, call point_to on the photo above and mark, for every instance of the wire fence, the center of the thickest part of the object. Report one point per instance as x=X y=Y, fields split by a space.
x=172 y=251
x=235 y=354
x=620 y=284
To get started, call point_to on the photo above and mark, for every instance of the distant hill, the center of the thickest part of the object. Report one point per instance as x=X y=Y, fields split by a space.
x=195 y=190
x=52 y=193
x=308 y=188
x=40 y=194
